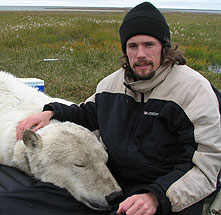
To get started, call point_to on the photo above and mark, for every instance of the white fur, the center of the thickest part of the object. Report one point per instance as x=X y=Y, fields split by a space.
x=66 y=154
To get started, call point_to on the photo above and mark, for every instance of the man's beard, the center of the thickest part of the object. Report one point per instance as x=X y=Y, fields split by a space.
x=147 y=77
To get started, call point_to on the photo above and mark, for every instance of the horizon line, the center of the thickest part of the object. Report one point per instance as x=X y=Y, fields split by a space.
x=116 y=7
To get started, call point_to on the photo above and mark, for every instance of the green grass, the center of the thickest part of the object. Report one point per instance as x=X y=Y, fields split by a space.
x=88 y=47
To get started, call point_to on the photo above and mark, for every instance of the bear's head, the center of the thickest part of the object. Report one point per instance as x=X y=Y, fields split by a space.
x=71 y=157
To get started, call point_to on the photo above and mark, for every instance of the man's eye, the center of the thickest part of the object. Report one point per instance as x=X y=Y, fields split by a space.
x=148 y=44
x=132 y=46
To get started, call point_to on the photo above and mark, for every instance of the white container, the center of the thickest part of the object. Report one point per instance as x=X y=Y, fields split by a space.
x=33 y=82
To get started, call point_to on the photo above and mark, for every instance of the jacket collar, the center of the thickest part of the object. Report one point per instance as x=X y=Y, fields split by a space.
x=144 y=86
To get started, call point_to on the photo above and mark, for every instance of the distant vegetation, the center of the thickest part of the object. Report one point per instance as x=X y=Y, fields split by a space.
x=88 y=48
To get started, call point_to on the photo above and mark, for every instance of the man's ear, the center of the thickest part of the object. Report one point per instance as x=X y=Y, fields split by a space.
x=31 y=139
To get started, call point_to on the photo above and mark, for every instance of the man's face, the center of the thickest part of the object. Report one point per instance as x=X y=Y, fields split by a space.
x=144 y=54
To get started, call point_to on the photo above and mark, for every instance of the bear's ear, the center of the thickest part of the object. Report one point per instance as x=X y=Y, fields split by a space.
x=31 y=139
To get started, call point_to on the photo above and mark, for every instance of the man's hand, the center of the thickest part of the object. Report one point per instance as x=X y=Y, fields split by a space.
x=140 y=204
x=33 y=122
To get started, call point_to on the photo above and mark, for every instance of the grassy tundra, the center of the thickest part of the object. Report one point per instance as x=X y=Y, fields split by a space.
x=88 y=48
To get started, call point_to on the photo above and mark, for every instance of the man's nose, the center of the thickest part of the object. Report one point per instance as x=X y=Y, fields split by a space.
x=141 y=53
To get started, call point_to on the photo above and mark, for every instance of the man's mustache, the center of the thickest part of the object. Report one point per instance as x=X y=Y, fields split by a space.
x=143 y=62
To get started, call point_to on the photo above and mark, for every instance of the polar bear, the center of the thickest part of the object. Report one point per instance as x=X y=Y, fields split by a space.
x=65 y=154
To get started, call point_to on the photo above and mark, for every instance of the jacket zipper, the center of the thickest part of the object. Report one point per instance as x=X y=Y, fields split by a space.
x=142 y=97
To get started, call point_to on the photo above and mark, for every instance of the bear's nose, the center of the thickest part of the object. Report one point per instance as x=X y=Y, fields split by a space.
x=114 y=198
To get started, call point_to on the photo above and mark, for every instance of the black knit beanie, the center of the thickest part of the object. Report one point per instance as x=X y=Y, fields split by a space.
x=144 y=19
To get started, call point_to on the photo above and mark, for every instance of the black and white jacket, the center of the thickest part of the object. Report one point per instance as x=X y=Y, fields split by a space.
x=162 y=135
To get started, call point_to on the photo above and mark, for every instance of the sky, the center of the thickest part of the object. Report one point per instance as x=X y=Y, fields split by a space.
x=181 y=4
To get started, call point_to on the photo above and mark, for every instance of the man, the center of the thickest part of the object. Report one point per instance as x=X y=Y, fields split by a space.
x=158 y=118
